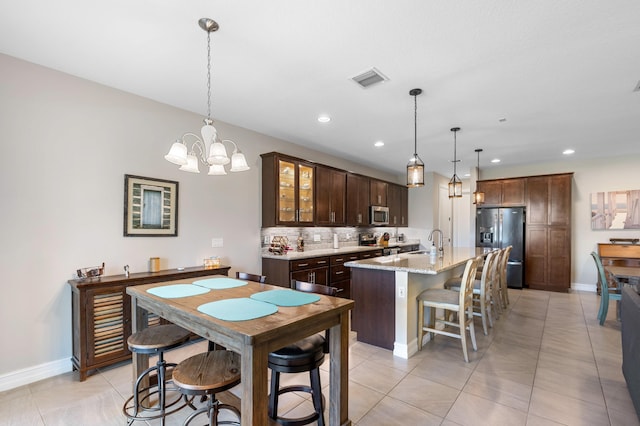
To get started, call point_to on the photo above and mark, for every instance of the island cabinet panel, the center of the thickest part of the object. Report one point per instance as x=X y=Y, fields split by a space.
x=101 y=315
x=373 y=317
x=378 y=192
x=331 y=191
x=357 y=200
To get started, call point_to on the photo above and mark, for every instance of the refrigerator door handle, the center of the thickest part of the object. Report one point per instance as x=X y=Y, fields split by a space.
x=514 y=263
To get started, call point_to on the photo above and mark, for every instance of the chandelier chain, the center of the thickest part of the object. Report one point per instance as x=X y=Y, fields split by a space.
x=208 y=75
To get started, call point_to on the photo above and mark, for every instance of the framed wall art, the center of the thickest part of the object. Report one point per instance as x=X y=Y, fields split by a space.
x=150 y=207
x=615 y=210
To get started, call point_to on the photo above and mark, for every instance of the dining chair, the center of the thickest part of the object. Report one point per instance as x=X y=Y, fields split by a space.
x=302 y=356
x=605 y=295
x=251 y=277
x=503 y=285
x=460 y=302
x=481 y=290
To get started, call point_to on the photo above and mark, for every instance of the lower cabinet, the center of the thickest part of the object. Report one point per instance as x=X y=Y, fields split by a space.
x=101 y=315
x=326 y=270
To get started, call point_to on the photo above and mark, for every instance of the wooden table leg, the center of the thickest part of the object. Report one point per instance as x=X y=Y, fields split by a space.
x=254 y=386
x=140 y=362
x=339 y=372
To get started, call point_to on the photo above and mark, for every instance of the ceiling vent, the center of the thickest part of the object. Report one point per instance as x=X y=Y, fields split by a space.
x=369 y=78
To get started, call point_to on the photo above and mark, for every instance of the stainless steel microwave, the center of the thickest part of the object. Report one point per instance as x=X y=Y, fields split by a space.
x=379 y=215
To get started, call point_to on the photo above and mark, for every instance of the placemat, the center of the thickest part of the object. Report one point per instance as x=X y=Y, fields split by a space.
x=220 y=283
x=240 y=309
x=286 y=297
x=177 y=290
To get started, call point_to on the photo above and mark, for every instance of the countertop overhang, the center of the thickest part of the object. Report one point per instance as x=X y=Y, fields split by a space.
x=419 y=262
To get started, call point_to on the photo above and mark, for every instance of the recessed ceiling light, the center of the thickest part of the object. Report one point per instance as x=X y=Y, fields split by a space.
x=568 y=151
x=495 y=160
x=467 y=174
x=378 y=144
x=324 y=118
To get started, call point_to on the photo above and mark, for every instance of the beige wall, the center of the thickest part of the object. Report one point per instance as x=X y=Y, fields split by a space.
x=66 y=145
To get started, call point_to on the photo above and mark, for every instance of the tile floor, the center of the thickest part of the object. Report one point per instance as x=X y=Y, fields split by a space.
x=546 y=362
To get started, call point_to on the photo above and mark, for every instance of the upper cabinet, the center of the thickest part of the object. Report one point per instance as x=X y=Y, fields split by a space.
x=296 y=192
x=398 y=203
x=504 y=192
x=378 y=193
x=288 y=189
x=331 y=189
x=357 y=200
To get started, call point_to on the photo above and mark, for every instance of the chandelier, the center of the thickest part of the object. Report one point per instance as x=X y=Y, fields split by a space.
x=478 y=196
x=415 y=167
x=206 y=148
x=455 y=184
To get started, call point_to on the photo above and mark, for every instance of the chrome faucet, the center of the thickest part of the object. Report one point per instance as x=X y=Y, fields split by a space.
x=440 y=241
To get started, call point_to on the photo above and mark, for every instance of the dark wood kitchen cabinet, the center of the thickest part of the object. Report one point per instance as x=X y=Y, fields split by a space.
x=548 y=232
x=280 y=272
x=288 y=190
x=357 y=200
x=503 y=192
x=331 y=192
x=378 y=192
x=398 y=203
x=101 y=315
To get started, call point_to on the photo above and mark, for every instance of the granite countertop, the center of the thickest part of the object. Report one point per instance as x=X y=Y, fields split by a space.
x=419 y=262
x=294 y=255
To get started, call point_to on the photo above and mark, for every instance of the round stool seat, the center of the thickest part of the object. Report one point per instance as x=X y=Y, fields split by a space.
x=302 y=355
x=157 y=339
x=206 y=374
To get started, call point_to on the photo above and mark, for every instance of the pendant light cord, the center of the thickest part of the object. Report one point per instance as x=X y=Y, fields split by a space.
x=415 y=124
x=208 y=75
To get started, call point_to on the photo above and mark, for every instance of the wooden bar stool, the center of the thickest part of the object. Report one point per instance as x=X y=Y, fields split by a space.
x=154 y=341
x=207 y=374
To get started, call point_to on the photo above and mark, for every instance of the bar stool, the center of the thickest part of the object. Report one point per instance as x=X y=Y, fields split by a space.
x=154 y=341
x=304 y=355
x=207 y=374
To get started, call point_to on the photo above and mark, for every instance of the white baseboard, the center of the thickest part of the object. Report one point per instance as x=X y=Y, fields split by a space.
x=583 y=287
x=25 y=376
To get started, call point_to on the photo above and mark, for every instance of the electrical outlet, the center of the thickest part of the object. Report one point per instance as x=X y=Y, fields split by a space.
x=316 y=238
x=265 y=240
x=217 y=242
x=348 y=236
x=401 y=292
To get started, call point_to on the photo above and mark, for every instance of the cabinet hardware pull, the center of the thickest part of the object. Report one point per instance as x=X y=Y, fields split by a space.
x=340 y=260
x=303 y=264
x=321 y=262
x=339 y=290
x=339 y=272
x=359 y=217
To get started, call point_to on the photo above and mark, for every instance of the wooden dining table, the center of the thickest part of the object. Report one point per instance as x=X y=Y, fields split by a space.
x=624 y=272
x=254 y=339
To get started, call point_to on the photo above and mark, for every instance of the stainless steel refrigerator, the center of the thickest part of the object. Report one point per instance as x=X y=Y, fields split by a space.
x=502 y=227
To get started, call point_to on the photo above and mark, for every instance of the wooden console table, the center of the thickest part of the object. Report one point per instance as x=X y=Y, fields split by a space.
x=101 y=314
x=618 y=255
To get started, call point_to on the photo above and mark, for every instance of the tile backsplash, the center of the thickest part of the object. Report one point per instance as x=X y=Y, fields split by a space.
x=318 y=238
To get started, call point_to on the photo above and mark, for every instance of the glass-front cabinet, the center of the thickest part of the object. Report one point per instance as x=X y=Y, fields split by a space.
x=288 y=191
x=295 y=192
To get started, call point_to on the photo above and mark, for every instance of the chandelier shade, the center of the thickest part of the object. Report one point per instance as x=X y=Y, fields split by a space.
x=415 y=167
x=206 y=148
x=455 y=184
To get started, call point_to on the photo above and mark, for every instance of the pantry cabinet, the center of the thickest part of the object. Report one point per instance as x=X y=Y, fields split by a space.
x=357 y=200
x=331 y=192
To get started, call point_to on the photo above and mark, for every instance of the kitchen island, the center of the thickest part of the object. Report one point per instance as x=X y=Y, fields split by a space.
x=385 y=289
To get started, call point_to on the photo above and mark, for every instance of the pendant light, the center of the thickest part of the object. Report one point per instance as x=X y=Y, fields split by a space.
x=415 y=167
x=455 y=184
x=209 y=144
x=478 y=196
